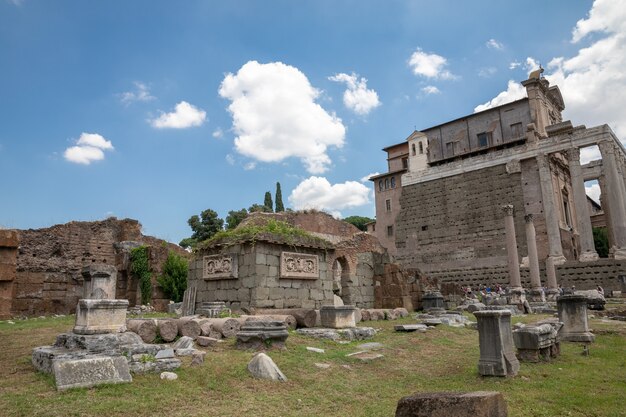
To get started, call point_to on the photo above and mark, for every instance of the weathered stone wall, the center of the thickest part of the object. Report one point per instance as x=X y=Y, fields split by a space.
x=8 y=261
x=49 y=261
x=456 y=222
x=259 y=283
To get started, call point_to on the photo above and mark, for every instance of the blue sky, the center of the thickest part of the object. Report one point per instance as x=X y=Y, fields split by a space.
x=156 y=110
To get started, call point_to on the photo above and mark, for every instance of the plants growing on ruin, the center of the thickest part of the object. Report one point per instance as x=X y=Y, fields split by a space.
x=174 y=277
x=140 y=269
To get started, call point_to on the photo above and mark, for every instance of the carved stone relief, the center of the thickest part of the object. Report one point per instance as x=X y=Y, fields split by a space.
x=299 y=265
x=219 y=267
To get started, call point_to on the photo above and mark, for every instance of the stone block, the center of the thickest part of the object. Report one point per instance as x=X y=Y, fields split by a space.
x=293 y=303
x=317 y=295
x=308 y=304
x=497 y=352
x=7 y=272
x=89 y=372
x=573 y=315
x=272 y=271
x=100 y=316
x=263 y=271
x=457 y=404
x=243 y=295
x=277 y=293
x=261 y=259
x=9 y=238
x=338 y=317
x=273 y=260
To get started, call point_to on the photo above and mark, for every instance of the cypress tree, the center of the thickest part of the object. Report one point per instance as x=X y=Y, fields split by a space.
x=268 y=201
x=279 y=199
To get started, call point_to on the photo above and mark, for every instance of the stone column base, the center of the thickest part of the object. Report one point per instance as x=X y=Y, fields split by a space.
x=588 y=257
x=516 y=295
x=537 y=295
x=558 y=260
x=552 y=294
x=619 y=253
x=100 y=316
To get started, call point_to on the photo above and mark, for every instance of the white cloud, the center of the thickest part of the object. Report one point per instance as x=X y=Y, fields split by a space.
x=217 y=133
x=276 y=117
x=531 y=64
x=230 y=159
x=368 y=176
x=487 y=72
x=185 y=115
x=89 y=147
x=430 y=89
x=590 y=153
x=16 y=2
x=514 y=91
x=318 y=193
x=494 y=44
x=514 y=65
x=140 y=93
x=429 y=65
x=249 y=166
x=357 y=96
x=593 y=191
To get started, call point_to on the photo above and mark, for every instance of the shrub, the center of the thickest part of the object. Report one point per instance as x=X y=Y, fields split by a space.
x=140 y=269
x=174 y=277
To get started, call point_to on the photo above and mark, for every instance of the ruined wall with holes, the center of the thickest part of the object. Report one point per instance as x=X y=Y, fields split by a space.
x=456 y=223
x=49 y=261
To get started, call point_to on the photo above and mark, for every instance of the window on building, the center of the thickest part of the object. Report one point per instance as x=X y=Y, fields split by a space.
x=386 y=183
x=484 y=139
x=388 y=205
x=421 y=148
x=516 y=130
x=393 y=182
x=405 y=163
x=389 y=230
x=380 y=185
x=413 y=149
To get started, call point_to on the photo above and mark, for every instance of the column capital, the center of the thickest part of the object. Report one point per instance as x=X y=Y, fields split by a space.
x=508 y=209
x=606 y=147
x=528 y=218
x=573 y=155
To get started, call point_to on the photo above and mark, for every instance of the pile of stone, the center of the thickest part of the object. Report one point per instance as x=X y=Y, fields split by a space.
x=595 y=300
x=339 y=323
x=448 y=318
x=262 y=335
x=142 y=309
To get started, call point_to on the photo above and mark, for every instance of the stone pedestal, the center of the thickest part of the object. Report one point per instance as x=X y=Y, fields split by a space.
x=536 y=295
x=497 y=353
x=259 y=335
x=99 y=282
x=100 y=316
x=338 y=317
x=433 y=300
x=573 y=315
x=516 y=296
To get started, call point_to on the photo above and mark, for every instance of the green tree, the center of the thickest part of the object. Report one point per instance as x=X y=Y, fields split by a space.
x=203 y=227
x=268 y=201
x=359 y=221
x=174 y=277
x=259 y=208
x=235 y=217
x=279 y=199
x=601 y=241
x=140 y=269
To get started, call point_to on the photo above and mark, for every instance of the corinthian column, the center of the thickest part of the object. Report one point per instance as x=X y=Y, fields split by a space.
x=515 y=283
x=536 y=292
x=583 y=221
x=550 y=212
x=615 y=199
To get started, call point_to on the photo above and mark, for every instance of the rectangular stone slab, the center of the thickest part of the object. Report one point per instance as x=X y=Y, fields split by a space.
x=410 y=327
x=457 y=404
x=85 y=373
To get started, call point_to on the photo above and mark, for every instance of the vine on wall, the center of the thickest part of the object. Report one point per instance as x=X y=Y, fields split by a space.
x=140 y=269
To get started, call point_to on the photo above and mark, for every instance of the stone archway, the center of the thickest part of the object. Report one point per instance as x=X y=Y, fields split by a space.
x=341 y=279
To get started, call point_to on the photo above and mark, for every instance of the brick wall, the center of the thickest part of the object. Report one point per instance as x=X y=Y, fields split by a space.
x=8 y=261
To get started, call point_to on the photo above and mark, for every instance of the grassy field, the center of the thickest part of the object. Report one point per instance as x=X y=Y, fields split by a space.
x=443 y=359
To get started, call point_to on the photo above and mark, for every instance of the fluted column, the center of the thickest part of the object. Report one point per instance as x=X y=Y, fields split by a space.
x=583 y=221
x=536 y=292
x=555 y=248
x=615 y=198
x=515 y=283
x=553 y=291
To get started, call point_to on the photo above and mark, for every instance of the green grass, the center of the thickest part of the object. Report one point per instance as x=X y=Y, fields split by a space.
x=443 y=359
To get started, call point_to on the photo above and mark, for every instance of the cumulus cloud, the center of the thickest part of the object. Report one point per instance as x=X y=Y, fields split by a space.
x=531 y=64
x=357 y=96
x=140 y=93
x=184 y=115
x=318 y=193
x=429 y=65
x=593 y=191
x=275 y=116
x=514 y=91
x=430 y=89
x=494 y=44
x=89 y=147
x=514 y=65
